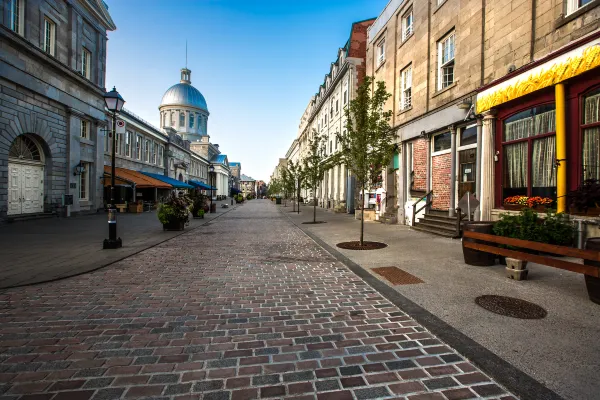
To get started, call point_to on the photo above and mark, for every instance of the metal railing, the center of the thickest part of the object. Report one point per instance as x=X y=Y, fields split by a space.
x=428 y=201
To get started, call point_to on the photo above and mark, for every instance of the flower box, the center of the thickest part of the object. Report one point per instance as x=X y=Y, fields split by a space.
x=513 y=207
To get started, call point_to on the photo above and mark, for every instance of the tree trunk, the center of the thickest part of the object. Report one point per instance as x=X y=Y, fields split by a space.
x=362 y=216
x=314 y=206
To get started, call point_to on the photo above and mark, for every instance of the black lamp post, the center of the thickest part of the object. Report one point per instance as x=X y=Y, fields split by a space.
x=231 y=188
x=211 y=171
x=114 y=103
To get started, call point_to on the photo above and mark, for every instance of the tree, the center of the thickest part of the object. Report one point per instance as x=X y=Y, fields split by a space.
x=368 y=143
x=274 y=187
x=287 y=185
x=313 y=167
x=294 y=173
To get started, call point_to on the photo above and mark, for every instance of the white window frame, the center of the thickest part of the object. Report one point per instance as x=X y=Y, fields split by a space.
x=17 y=16
x=128 y=137
x=192 y=121
x=439 y=152
x=182 y=116
x=380 y=52
x=154 y=152
x=119 y=144
x=406 y=90
x=85 y=129
x=86 y=63
x=449 y=63
x=84 y=182
x=49 y=36
x=138 y=147
x=161 y=155
x=574 y=5
x=407 y=25
x=146 y=150
x=459 y=146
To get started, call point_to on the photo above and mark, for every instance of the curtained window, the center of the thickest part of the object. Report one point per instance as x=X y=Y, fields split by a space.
x=591 y=136
x=529 y=152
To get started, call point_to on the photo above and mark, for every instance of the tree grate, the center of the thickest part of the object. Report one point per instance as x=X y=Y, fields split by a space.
x=396 y=276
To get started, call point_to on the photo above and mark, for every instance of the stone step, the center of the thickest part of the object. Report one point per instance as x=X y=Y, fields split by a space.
x=421 y=228
x=439 y=220
x=434 y=225
x=29 y=217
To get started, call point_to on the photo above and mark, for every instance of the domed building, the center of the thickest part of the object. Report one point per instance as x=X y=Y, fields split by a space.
x=184 y=109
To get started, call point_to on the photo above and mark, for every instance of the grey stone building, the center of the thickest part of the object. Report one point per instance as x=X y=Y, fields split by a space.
x=52 y=121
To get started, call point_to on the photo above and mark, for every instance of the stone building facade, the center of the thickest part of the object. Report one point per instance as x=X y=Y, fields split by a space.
x=52 y=79
x=435 y=58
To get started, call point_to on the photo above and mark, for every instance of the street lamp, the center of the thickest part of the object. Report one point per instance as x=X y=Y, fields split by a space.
x=231 y=188
x=211 y=170
x=114 y=103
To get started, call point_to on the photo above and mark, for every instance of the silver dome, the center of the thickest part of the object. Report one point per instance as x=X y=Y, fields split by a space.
x=184 y=94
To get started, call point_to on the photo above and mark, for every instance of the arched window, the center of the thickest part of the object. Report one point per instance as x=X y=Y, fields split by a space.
x=24 y=148
x=191 y=120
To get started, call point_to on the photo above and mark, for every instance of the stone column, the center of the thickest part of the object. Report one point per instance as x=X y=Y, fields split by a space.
x=451 y=211
x=488 y=153
x=478 y=168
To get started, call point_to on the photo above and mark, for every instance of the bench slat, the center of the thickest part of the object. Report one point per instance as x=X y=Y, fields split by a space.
x=552 y=262
x=547 y=248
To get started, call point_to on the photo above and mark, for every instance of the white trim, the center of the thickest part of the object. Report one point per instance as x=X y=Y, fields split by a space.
x=441 y=152
x=441 y=64
x=49 y=36
x=467 y=147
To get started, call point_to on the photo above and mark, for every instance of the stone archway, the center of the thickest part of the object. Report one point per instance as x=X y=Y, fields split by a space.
x=180 y=177
x=26 y=176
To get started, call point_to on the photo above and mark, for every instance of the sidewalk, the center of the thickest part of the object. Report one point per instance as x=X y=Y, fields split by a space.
x=46 y=249
x=561 y=351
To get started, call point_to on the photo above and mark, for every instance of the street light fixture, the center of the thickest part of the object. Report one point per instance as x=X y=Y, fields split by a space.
x=211 y=170
x=114 y=103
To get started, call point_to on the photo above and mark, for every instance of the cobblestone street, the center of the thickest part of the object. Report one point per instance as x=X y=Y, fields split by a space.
x=247 y=307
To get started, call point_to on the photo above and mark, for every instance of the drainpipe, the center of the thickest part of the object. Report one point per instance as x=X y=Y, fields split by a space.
x=451 y=211
x=561 y=148
x=478 y=168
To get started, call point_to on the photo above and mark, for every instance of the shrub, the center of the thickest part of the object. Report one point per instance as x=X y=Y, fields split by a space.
x=174 y=209
x=200 y=213
x=554 y=229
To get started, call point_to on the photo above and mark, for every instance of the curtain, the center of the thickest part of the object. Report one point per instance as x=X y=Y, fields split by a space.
x=516 y=165
x=591 y=138
x=530 y=126
x=543 y=157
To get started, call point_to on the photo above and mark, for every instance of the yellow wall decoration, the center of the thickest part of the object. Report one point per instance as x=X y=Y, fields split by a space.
x=573 y=66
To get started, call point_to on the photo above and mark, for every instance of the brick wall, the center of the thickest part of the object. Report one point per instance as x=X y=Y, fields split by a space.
x=440 y=181
x=420 y=164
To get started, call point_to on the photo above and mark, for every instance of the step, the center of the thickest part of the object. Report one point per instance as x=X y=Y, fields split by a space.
x=29 y=217
x=439 y=220
x=430 y=225
x=433 y=231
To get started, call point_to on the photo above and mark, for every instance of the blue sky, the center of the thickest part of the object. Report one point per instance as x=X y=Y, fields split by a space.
x=257 y=63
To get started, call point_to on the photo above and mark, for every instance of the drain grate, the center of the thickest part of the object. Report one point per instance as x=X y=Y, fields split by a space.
x=365 y=246
x=511 y=307
x=396 y=276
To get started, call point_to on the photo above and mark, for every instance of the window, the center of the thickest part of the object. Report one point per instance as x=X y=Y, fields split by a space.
x=337 y=106
x=119 y=143
x=161 y=155
x=154 y=153
x=146 y=150
x=468 y=135
x=172 y=119
x=381 y=52
x=407 y=25
x=330 y=146
x=591 y=136
x=442 y=142
x=84 y=181
x=182 y=119
x=446 y=61
x=191 y=120
x=138 y=147
x=49 y=36
x=85 y=129
x=345 y=96
x=529 y=153
x=16 y=16
x=128 y=142
x=406 y=95
x=331 y=112
x=574 y=5
x=86 y=59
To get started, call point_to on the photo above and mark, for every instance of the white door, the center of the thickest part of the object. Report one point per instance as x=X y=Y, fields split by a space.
x=26 y=189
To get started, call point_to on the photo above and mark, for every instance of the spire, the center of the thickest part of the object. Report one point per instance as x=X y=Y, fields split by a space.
x=186 y=76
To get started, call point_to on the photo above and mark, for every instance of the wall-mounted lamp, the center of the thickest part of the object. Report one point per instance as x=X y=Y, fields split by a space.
x=79 y=169
x=465 y=104
x=423 y=135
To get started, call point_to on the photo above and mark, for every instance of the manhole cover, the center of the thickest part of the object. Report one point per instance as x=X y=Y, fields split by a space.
x=365 y=246
x=511 y=307
x=315 y=222
x=396 y=276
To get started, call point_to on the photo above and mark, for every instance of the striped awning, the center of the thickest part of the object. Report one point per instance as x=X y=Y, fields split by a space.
x=127 y=176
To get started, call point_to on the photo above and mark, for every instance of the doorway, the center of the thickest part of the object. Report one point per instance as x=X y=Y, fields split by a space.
x=25 y=177
x=467 y=170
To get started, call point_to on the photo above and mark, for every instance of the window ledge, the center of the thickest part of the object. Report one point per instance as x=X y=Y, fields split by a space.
x=444 y=90
x=440 y=6
x=441 y=152
x=379 y=66
x=407 y=39
x=86 y=141
x=405 y=110
x=565 y=19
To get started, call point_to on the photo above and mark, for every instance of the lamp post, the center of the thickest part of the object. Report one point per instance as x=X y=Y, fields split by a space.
x=114 y=103
x=211 y=171
x=231 y=188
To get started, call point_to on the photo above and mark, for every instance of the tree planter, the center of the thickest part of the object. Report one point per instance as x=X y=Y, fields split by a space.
x=174 y=226
x=475 y=257
x=591 y=282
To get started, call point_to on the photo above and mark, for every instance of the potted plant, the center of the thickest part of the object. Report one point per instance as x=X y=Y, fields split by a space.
x=200 y=214
x=517 y=203
x=198 y=203
x=585 y=200
x=173 y=213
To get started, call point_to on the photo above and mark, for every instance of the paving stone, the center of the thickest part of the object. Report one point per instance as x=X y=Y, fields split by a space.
x=372 y=393
x=265 y=380
x=109 y=394
x=331 y=384
x=298 y=376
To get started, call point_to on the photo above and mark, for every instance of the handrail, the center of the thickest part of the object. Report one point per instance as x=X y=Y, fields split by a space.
x=427 y=204
x=458 y=221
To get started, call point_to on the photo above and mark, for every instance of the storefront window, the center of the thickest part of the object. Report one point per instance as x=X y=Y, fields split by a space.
x=529 y=152
x=442 y=142
x=468 y=136
x=591 y=136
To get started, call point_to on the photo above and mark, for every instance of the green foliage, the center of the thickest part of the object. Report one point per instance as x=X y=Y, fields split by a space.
x=174 y=209
x=293 y=173
x=313 y=168
x=198 y=202
x=274 y=187
x=527 y=225
x=200 y=213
